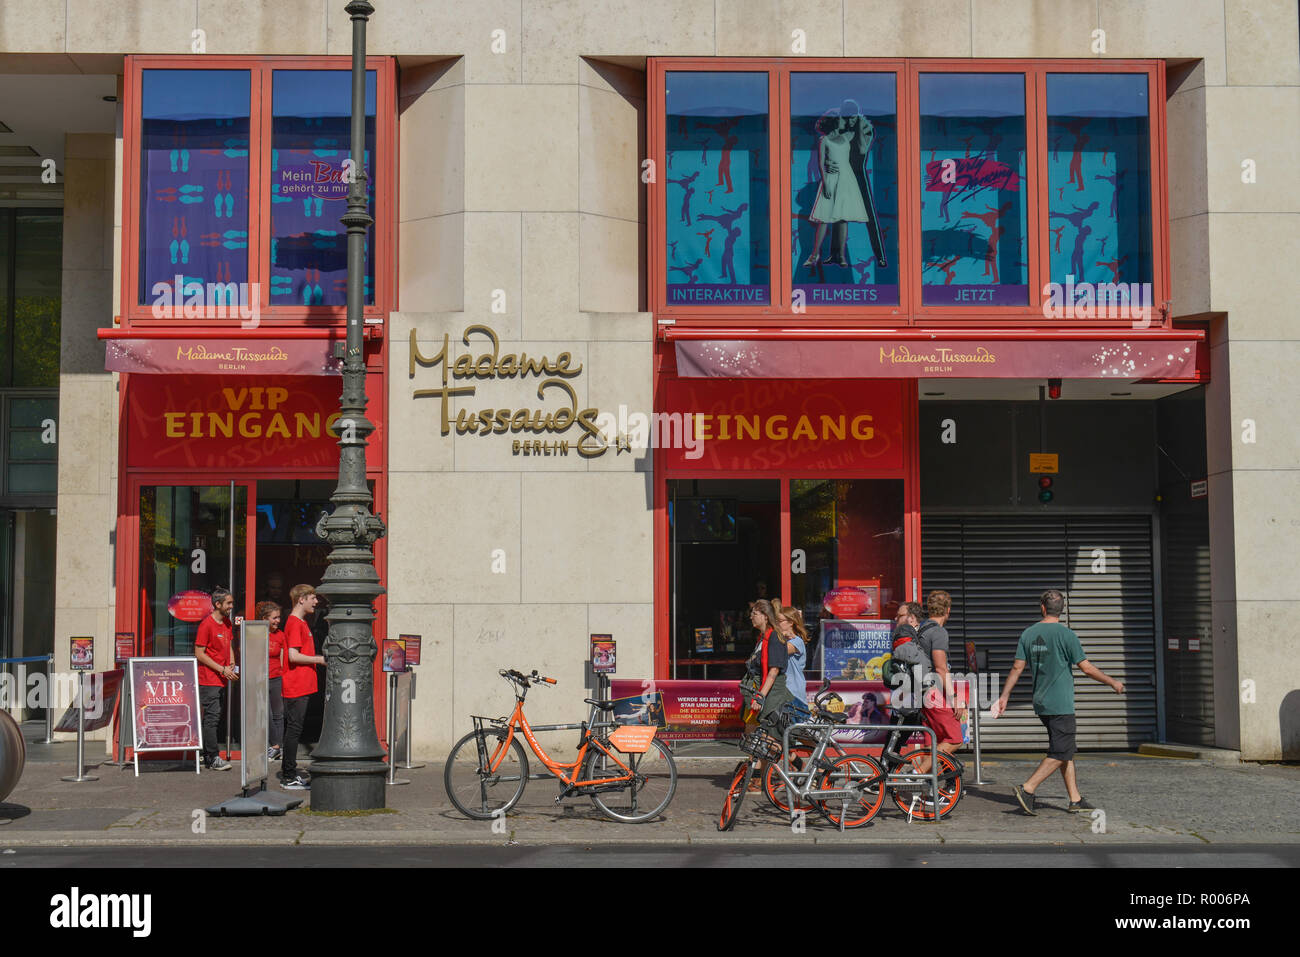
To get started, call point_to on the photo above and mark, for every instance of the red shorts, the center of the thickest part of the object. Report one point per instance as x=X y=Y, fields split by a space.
x=946 y=727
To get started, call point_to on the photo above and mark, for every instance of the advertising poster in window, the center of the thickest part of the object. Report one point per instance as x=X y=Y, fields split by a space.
x=165 y=703
x=716 y=188
x=1099 y=191
x=844 y=182
x=855 y=650
x=974 y=209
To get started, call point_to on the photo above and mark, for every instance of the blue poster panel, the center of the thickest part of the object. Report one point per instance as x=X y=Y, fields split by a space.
x=974 y=211
x=855 y=650
x=1099 y=181
x=844 y=188
x=716 y=187
x=193 y=178
x=310 y=138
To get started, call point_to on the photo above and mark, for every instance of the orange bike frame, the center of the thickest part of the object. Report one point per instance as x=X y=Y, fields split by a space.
x=557 y=768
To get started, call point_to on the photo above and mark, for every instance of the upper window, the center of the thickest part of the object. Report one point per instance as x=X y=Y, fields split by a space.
x=239 y=184
x=914 y=190
x=717 y=173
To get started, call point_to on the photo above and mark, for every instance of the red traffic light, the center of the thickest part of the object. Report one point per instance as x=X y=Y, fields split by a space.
x=1044 y=481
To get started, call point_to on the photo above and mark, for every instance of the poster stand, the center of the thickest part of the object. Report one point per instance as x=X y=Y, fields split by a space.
x=972 y=666
x=254 y=799
x=392 y=731
x=406 y=683
x=167 y=720
x=81 y=776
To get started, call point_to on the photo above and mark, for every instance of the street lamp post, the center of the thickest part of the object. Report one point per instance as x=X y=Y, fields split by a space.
x=347 y=769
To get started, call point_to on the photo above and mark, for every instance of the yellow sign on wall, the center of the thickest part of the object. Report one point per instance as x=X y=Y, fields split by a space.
x=1045 y=462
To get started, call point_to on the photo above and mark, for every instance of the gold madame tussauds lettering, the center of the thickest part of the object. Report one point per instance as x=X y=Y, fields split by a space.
x=494 y=365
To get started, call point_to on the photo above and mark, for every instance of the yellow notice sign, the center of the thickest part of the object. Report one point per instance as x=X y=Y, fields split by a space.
x=1045 y=462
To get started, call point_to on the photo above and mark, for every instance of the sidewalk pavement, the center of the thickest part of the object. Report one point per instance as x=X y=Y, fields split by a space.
x=1145 y=800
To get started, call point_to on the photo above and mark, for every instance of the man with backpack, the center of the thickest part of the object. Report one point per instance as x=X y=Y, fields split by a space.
x=936 y=707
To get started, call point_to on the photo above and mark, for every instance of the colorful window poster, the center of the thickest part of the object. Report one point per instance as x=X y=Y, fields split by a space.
x=1099 y=188
x=855 y=650
x=194 y=182
x=123 y=645
x=412 y=645
x=974 y=211
x=844 y=188
x=716 y=189
x=165 y=704
x=704 y=640
x=311 y=131
x=81 y=657
x=604 y=654
x=394 y=655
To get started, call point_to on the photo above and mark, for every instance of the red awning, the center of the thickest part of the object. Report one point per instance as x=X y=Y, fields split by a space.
x=771 y=353
x=206 y=355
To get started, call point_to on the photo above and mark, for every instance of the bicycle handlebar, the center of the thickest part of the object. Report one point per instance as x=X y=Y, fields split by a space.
x=524 y=679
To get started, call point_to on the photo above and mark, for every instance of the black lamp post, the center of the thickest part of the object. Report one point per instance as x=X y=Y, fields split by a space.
x=348 y=769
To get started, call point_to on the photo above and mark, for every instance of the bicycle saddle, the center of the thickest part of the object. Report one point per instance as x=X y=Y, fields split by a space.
x=602 y=705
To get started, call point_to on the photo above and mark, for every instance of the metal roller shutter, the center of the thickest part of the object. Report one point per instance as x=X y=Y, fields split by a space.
x=997 y=566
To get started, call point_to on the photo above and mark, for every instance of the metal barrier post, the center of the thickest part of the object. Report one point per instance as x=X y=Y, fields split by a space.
x=975 y=729
x=81 y=775
x=49 y=699
x=392 y=729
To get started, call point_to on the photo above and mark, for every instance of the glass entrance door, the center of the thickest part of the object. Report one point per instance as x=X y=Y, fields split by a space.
x=192 y=538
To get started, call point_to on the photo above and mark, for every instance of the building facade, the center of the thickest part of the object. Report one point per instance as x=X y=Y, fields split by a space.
x=838 y=257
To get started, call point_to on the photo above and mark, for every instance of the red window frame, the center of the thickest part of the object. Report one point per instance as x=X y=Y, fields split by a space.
x=138 y=315
x=909 y=311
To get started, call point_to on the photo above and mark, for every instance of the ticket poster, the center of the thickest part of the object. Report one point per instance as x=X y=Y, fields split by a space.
x=123 y=646
x=394 y=655
x=855 y=650
x=412 y=645
x=604 y=654
x=82 y=655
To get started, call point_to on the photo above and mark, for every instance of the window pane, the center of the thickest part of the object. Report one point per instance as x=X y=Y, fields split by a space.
x=717 y=189
x=194 y=179
x=311 y=129
x=844 y=183
x=974 y=216
x=851 y=532
x=39 y=297
x=33 y=479
x=30 y=413
x=6 y=251
x=1099 y=180
x=25 y=445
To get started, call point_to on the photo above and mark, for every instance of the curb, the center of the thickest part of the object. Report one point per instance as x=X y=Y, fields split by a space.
x=1191 y=753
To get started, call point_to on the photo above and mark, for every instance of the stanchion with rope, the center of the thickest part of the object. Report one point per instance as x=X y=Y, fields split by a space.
x=81 y=776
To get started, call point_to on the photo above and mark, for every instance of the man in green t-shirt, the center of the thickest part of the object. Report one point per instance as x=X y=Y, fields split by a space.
x=1053 y=650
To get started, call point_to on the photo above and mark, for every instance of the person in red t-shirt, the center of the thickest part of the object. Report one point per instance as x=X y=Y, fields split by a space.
x=212 y=649
x=270 y=611
x=299 y=682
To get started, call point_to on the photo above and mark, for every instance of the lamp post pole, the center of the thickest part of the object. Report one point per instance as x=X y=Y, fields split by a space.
x=348 y=769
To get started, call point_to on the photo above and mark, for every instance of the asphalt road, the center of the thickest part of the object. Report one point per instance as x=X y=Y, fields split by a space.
x=877 y=856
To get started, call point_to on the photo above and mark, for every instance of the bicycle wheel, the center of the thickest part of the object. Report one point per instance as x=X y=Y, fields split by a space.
x=848 y=771
x=735 y=795
x=916 y=799
x=774 y=786
x=656 y=783
x=477 y=794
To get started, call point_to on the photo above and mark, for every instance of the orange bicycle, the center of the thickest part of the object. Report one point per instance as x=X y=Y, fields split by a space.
x=628 y=775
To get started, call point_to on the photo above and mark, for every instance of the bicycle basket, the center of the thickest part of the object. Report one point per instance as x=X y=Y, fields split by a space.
x=761 y=745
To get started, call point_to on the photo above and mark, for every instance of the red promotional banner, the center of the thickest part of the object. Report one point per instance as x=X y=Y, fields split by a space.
x=853 y=601
x=237 y=422
x=1126 y=360
x=165 y=703
x=102 y=689
x=206 y=356
x=751 y=425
